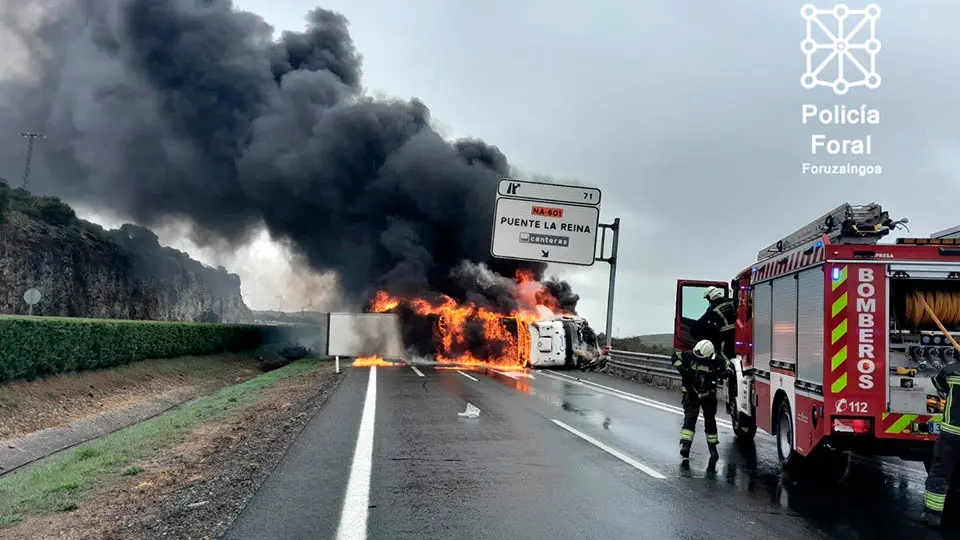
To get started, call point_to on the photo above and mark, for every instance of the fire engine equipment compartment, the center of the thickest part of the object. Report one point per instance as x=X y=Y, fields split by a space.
x=918 y=348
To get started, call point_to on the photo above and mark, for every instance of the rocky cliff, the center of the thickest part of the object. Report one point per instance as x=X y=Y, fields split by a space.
x=83 y=270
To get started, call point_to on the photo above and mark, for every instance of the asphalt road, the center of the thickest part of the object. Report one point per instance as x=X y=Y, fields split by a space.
x=548 y=457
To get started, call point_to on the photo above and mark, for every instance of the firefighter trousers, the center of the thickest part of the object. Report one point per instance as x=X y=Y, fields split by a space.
x=692 y=405
x=946 y=457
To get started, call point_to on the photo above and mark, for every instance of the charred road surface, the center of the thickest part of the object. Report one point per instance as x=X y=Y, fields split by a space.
x=423 y=452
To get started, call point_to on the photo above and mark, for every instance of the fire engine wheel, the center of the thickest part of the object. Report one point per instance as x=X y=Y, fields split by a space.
x=785 y=452
x=823 y=464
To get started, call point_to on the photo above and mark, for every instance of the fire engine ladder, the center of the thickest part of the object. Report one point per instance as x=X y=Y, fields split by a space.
x=846 y=223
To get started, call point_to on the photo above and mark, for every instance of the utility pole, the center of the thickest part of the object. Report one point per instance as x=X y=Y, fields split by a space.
x=30 y=138
x=280 y=303
x=612 y=260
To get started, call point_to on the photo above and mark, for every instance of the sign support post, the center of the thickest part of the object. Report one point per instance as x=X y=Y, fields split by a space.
x=612 y=260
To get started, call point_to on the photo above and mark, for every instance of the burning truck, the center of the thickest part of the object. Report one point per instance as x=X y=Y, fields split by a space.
x=537 y=334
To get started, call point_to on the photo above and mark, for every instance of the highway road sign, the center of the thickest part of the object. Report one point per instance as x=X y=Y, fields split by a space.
x=534 y=230
x=31 y=296
x=542 y=191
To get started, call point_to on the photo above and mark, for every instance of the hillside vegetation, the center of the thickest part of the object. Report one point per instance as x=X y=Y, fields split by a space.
x=83 y=270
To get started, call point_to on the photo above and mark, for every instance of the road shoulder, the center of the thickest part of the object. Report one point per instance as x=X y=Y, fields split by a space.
x=195 y=484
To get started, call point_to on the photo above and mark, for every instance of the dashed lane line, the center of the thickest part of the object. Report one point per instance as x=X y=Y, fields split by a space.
x=514 y=375
x=610 y=450
x=471 y=377
x=626 y=395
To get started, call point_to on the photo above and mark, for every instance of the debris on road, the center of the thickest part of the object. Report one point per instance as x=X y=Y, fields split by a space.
x=471 y=411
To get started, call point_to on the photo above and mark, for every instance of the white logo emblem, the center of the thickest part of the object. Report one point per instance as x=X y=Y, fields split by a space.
x=842 y=48
x=841 y=405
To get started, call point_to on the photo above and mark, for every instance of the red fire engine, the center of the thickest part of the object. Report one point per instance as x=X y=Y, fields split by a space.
x=837 y=338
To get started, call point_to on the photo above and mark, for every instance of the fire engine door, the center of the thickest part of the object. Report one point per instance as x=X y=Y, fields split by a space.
x=691 y=305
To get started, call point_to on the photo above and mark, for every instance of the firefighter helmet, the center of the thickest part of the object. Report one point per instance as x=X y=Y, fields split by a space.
x=703 y=349
x=713 y=293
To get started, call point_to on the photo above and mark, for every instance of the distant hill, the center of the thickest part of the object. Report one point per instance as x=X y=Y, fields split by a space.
x=649 y=343
x=663 y=340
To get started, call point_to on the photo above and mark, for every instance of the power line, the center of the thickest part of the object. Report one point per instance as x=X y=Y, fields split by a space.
x=30 y=138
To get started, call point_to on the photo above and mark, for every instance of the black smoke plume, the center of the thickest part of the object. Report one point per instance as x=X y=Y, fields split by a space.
x=191 y=110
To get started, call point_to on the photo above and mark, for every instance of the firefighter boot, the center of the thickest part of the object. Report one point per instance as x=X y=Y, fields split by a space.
x=714 y=455
x=685 y=449
x=930 y=518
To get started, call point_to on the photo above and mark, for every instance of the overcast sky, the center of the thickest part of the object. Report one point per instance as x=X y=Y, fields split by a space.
x=688 y=119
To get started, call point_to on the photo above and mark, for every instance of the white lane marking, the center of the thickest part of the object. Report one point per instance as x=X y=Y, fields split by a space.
x=415 y=370
x=356 y=501
x=471 y=377
x=627 y=396
x=612 y=451
x=514 y=375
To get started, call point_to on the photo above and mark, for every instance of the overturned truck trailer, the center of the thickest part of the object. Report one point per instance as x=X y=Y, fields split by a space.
x=560 y=342
x=365 y=334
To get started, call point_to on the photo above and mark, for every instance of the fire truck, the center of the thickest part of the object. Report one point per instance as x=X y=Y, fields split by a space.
x=837 y=338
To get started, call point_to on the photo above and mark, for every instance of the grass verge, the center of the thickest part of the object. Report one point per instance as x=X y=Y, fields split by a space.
x=62 y=482
x=57 y=400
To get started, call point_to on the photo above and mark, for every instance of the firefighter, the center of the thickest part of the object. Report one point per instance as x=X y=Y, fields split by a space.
x=700 y=371
x=946 y=451
x=717 y=323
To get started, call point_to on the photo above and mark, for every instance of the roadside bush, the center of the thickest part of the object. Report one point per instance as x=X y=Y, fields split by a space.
x=33 y=346
x=295 y=352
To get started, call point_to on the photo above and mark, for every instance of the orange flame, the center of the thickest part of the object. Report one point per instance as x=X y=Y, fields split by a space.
x=382 y=302
x=371 y=361
x=506 y=335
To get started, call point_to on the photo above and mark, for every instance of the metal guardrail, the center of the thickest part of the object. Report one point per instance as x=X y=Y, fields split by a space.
x=643 y=363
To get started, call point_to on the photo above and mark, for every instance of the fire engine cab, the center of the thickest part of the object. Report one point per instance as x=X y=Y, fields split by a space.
x=837 y=339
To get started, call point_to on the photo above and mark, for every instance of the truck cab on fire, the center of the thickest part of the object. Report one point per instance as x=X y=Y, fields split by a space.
x=563 y=342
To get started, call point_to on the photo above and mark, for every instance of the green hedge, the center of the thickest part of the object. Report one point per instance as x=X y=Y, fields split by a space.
x=32 y=346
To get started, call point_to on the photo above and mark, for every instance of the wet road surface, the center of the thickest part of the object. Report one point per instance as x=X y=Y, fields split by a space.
x=551 y=455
